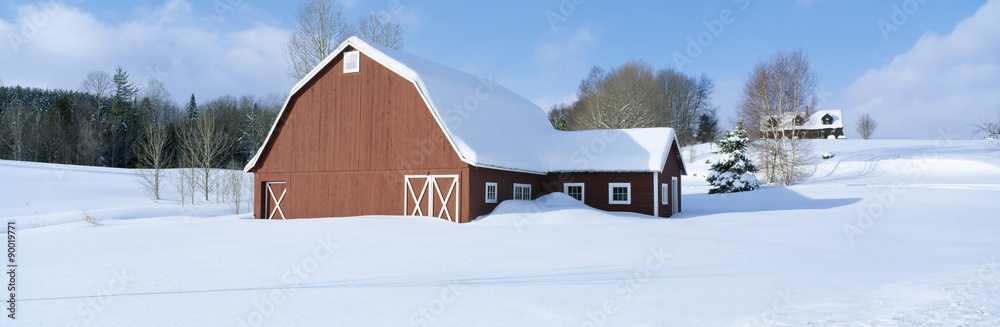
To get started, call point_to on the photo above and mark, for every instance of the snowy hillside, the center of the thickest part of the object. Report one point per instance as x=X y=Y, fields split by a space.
x=884 y=233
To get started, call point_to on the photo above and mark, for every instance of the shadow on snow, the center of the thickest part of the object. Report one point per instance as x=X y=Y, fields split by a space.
x=767 y=198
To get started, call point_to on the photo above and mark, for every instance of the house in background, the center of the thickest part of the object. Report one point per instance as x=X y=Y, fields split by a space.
x=818 y=125
x=373 y=131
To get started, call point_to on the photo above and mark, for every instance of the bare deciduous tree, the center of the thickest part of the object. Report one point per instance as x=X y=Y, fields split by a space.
x=187 y=152
x=191 y=176
x=378 y=29
x=17 y=125
x=179 y=182
x=98 y=83
x=88 y=145
x=204 y=142
x=777 y=90
x=865 y=126
x=235 y=186
x=153 y=158
x=683 y=99
x=633 y=95
x=320 y=28
x=989 y=127
x=626 y=97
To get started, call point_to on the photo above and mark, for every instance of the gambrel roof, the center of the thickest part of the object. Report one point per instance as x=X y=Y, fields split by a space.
x=490 y=126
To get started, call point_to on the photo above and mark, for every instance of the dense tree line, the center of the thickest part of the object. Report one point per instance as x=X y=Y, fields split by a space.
x=633 y=95
x=113 y=123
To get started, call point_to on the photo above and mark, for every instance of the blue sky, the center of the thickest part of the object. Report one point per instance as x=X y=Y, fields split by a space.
x=927 y=73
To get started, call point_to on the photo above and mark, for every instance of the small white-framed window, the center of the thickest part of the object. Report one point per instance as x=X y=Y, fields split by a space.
x=574 y=190
x=664 y=194
x=491 y=192
x=620 y=193
x=522 y=191
x=352 y=62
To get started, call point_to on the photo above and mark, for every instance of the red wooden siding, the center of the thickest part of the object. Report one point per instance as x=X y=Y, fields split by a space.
x=595 y=191
x=478 y=177
x=671 y=168
x=345 y=142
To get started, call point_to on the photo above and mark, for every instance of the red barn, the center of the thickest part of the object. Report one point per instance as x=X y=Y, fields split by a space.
x=372 y=131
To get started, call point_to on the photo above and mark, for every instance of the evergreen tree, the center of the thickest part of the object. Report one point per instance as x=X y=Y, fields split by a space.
x=123 y=121
x=191 y=112
x=124 y=92
x=707 y=127
x=735 y=172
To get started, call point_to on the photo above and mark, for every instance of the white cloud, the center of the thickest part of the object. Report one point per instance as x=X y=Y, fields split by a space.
x=942 y=83
x=55 y=47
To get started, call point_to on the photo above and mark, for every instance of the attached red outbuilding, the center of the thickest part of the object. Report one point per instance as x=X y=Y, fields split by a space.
x=372 y=131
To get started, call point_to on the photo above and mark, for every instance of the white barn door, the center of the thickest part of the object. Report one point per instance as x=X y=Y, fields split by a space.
x=274 y=193
x=431 y=196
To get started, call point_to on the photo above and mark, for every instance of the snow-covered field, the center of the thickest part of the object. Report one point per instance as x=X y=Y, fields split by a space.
x=884 y=233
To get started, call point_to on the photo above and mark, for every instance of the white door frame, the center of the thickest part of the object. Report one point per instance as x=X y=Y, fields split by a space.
x=432 y=189
x=674 y=195
x=277 y=200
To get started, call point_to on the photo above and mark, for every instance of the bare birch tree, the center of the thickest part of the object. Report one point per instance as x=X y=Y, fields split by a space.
x=177 y=176
x=865 y=126
x=204 y=142
x=235 y=186
x=187 y=154
x=777 y=91
x=153 y=157
x=321 y=26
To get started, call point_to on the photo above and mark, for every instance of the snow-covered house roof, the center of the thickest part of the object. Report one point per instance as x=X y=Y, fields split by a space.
x=491 y=126
x=814 y=121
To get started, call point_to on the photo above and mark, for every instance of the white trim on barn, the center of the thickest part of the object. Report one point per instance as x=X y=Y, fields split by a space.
x=665 y=193
x=431 y=187
x=656 y=207
x=583 y=190
x=352 y=62
x=522 y=191
x=628 y=193
x=277 y=200
x=674 y=189
x=491 y=194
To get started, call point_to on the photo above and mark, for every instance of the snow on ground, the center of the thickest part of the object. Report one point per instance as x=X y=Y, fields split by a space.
x=884 y=233
x=46 y=194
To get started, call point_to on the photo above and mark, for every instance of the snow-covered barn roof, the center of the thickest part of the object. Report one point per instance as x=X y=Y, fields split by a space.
x=491 y=126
